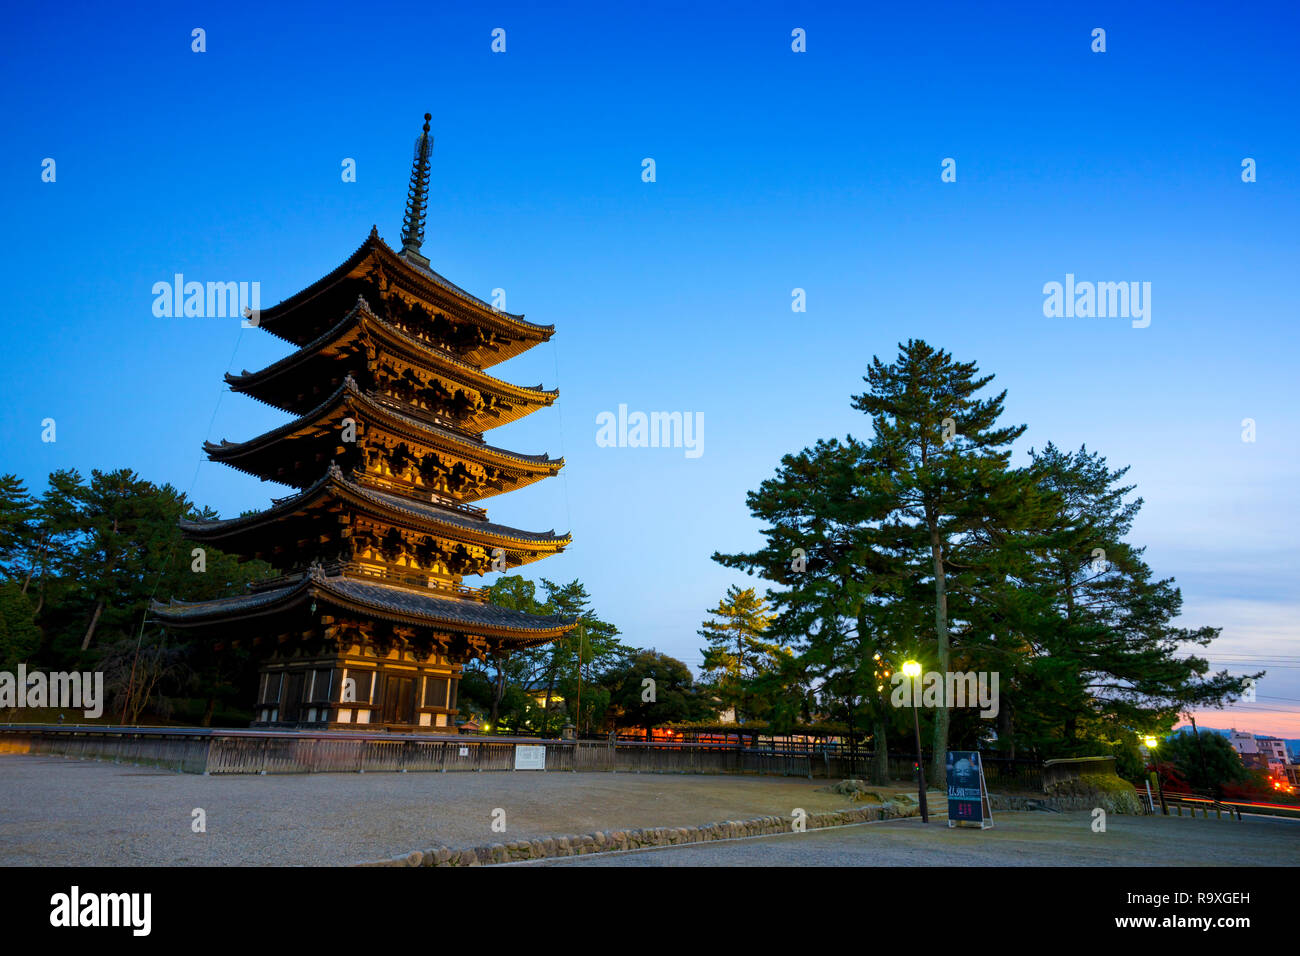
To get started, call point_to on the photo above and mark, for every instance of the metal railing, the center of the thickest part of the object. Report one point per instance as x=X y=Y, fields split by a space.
x=1176 y=801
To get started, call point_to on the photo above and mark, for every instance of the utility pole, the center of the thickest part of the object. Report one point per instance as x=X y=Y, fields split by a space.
x=577 y=718
x=1200 y=751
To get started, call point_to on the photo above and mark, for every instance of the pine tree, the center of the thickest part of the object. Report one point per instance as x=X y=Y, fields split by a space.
x=19 y=528
x=19 y=635
x=58 y=529
x=1108 y=660
x=940 y=458
x=923 y=542
x=737 y=653
x=89 y=561
x=590 y=647
x=840 y=582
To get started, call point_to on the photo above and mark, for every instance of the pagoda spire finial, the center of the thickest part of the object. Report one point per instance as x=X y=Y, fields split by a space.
x=417 y=197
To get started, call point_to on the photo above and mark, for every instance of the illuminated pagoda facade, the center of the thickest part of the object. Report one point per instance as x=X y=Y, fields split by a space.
x=369 y=623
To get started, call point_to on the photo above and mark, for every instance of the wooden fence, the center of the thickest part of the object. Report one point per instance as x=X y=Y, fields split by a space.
x=196 y=750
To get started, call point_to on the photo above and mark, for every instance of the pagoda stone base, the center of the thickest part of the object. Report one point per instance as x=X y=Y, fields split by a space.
x=358 y=689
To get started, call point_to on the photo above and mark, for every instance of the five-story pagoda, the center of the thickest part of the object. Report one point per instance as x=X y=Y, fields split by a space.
x=369 y=623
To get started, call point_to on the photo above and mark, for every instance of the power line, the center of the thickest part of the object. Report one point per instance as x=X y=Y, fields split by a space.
x=171 y=550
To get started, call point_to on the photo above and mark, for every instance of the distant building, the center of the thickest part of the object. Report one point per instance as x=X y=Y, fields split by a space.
x=1255 y=762
x=1242 y=742
x=1274 y=748
x=1264 y=753
x=538 y=696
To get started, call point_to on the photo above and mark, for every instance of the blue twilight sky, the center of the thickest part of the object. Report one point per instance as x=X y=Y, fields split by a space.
x=775 y=170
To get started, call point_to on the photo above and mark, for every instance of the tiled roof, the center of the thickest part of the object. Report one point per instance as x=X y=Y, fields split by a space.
x=420 y=509
x=403 y=602
x=413 y=602
x=362 y=309
x=457 y=290
x=373 y=241
x=187 y=610
x=350 y=387
x=432 y=512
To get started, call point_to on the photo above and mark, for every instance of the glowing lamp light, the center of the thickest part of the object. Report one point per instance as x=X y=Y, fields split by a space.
x=913 y=670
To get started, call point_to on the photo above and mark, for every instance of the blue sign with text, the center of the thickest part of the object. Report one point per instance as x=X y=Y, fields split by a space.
x=966 y=789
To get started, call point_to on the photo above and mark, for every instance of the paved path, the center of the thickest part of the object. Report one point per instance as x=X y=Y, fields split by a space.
x=1017 y=839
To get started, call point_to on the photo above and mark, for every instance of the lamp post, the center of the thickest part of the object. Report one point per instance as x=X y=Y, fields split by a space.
x=1217 y=791
x=912 y=670
x=1151 y=743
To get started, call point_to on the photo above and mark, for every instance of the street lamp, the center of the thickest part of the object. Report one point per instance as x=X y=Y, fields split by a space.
x=1151 y=743
x=912 y=670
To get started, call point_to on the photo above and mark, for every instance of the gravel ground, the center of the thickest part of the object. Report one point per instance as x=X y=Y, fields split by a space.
x=55 y=810
x=1017 y=839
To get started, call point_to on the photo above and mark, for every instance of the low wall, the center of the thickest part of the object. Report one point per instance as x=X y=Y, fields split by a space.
x=613 y=841
x=184 y=752
x=1071 y=768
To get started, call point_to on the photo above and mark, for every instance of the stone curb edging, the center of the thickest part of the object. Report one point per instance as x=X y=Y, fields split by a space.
x=606 y=841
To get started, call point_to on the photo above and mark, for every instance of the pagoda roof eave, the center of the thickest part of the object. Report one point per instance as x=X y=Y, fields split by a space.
x=362 y=316
x=517 y=628
x=225 y=450
x=243 y=381
x=254 y=604
x=374 y=245
x=385 y=600
x=392 y=507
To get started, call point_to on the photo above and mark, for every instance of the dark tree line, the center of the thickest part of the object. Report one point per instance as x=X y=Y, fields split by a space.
x=81 y=560
x=79 y=563
x=588 y=678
